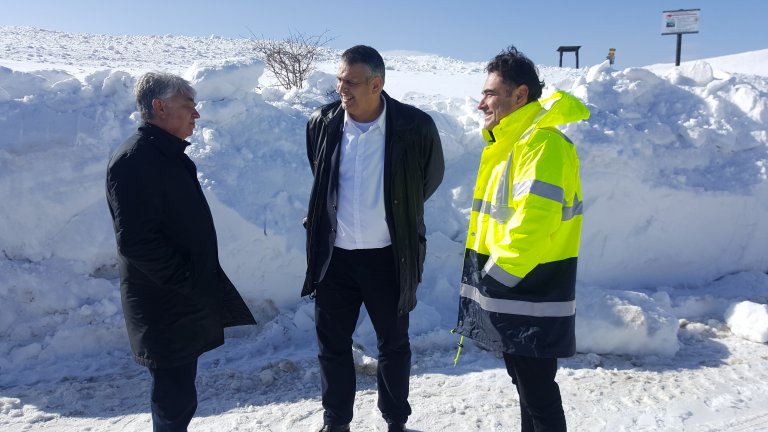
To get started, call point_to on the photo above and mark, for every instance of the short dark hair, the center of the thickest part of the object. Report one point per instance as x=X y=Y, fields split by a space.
x=158 y=85
x=362 y=54
x=516 y=69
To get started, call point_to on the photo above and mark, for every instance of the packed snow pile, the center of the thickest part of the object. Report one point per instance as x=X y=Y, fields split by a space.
x=673 y=167
x=748 y=320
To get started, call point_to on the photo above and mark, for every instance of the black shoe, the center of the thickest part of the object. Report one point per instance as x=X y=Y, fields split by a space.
x=336 y=428
x=396 y=427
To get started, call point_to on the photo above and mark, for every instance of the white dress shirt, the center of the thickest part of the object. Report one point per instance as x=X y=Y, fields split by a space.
x=360 y=214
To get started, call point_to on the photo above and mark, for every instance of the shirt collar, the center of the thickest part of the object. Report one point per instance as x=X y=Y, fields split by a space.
x=380 y=121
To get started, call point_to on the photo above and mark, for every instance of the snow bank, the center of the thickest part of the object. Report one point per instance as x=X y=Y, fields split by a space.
x=673 y=168
x=674 y=176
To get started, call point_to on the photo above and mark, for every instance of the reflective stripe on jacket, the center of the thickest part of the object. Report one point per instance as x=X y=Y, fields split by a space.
x=518 y=283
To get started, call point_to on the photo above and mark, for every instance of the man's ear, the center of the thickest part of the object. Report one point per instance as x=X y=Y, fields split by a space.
x=522 y=95
x=157 y=106
x=378 y=84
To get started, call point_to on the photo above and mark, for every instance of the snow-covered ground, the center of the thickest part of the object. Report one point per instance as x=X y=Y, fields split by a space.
x=672 y=321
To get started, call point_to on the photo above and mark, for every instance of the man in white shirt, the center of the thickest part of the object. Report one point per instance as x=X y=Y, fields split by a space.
x=375 y=161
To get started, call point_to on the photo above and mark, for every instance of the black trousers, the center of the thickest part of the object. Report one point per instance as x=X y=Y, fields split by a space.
x=174 y=397
x=541 y=408
x=354 y=278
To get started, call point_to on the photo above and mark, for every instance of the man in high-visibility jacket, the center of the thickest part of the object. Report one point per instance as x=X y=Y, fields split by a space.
x=518 y=282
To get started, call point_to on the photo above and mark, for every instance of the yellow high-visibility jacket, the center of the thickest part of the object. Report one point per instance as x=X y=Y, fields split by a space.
x=519 y=277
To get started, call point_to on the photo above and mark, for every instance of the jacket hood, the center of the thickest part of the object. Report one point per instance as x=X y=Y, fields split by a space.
x=558 y=109
x=561 y=108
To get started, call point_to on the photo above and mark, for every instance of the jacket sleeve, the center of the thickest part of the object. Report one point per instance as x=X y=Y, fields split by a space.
x=537 y=197
x=135 y=199
x=311 y=141
x=432 y=158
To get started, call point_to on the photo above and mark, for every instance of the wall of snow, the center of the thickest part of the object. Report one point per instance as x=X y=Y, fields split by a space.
x=673 y=167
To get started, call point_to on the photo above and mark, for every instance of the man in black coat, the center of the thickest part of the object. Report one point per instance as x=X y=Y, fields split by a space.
x=176 y=297
x=375 y=162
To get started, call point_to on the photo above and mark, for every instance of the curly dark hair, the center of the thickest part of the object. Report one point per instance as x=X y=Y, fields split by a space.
x=516 y=69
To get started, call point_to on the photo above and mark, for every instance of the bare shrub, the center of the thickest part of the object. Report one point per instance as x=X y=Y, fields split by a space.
x=291 y=59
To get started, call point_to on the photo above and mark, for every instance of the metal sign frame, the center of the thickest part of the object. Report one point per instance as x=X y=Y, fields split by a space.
x=682 y=21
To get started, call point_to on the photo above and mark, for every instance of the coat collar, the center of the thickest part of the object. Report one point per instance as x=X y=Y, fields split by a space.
x=167 y=143
x=513 y=125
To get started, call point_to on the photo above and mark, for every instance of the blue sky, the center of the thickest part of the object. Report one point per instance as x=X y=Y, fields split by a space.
x=468 y=30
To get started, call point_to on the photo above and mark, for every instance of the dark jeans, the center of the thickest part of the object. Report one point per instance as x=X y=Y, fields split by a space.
x=354 y=278
x=174 y=397
x=541 y=409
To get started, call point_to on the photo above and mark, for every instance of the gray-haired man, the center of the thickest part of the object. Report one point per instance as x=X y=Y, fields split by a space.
x=176 y=298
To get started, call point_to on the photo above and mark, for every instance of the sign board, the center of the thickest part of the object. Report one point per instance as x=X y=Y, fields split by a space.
x=680 y=21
